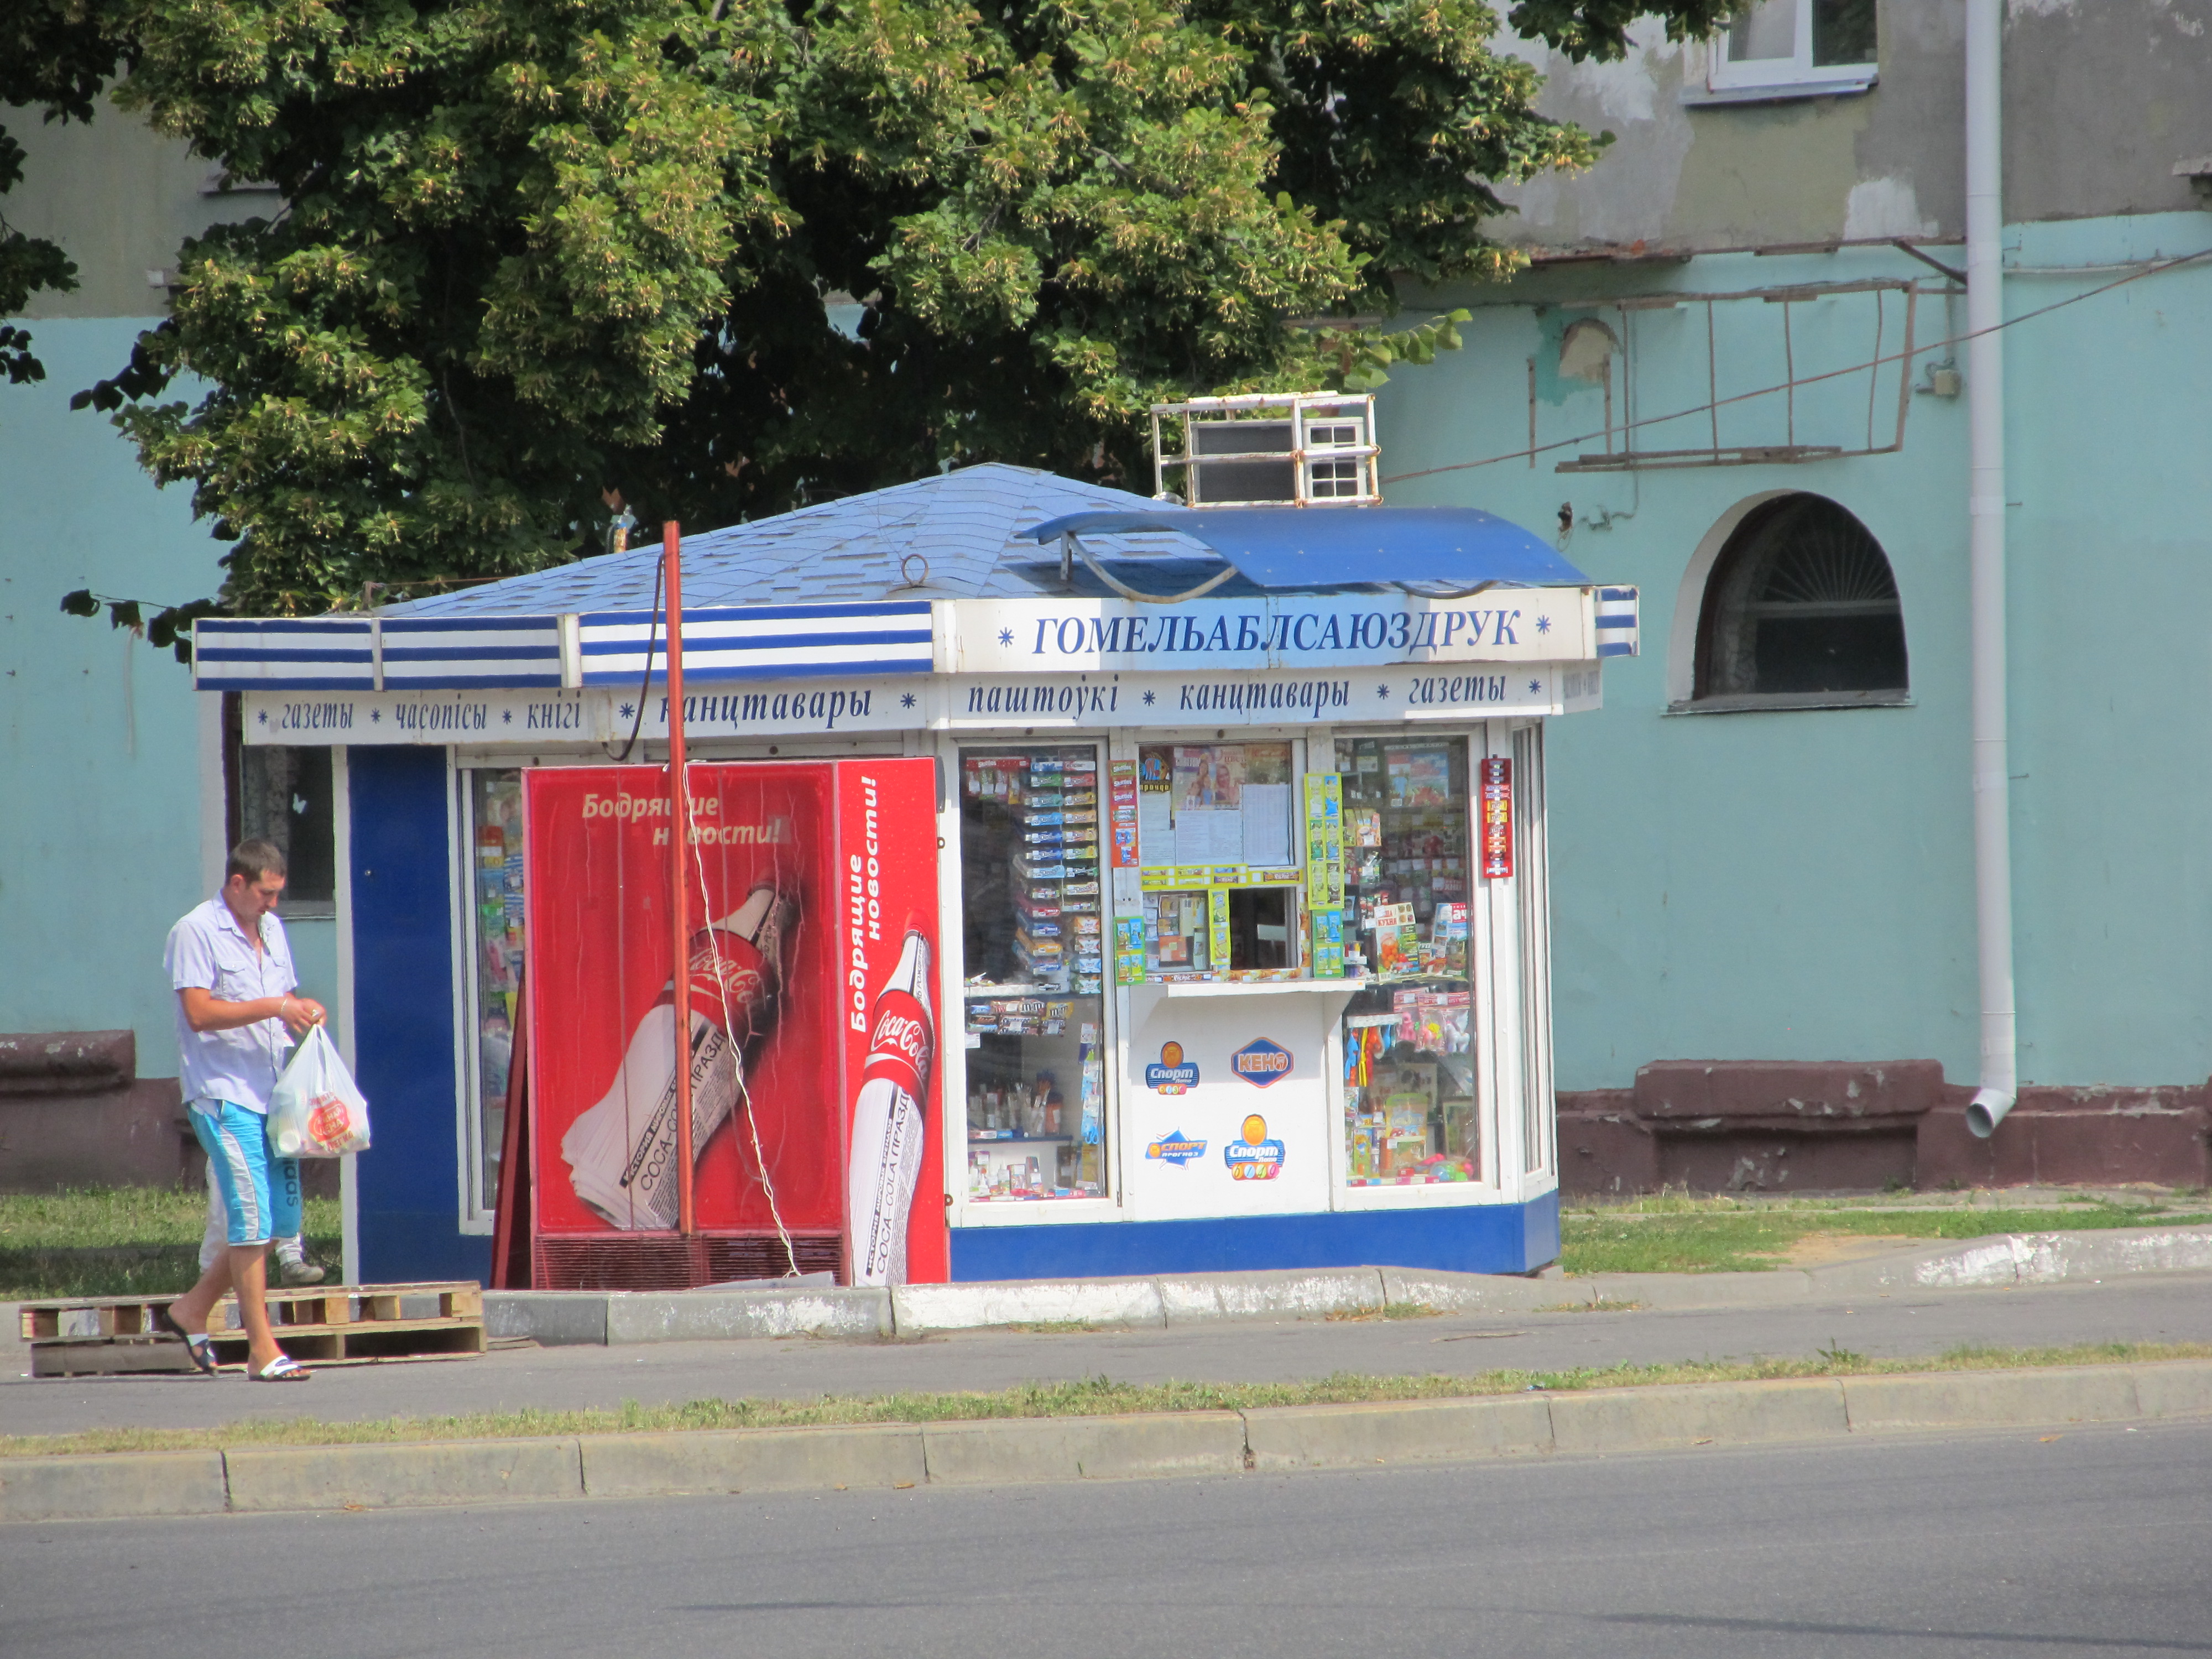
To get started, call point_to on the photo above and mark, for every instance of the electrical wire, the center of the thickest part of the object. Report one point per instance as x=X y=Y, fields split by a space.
x=729 y=1029
x=645 y=680
x=2136 y=276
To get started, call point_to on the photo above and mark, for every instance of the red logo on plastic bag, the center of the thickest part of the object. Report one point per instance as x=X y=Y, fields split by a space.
x=330 y=1121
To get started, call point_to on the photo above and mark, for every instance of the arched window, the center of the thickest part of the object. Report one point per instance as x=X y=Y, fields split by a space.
x=1801 y=606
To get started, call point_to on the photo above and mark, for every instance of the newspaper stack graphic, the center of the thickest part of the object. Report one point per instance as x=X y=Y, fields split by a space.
x=622 y=1152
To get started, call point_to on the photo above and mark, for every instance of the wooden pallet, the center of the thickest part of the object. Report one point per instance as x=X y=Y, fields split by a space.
x=320 y=1325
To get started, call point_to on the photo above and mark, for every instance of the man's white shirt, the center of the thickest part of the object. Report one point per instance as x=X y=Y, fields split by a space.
x=208 y=949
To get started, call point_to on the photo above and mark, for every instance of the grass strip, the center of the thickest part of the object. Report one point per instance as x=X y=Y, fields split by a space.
x=1733 y=1240
x=119 y=1241
x=1097 y=1396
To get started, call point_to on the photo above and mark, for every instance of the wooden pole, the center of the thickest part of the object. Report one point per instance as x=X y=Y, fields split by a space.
x=679 y=848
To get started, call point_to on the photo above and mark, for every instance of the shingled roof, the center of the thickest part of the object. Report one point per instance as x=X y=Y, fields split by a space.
x=965 y=525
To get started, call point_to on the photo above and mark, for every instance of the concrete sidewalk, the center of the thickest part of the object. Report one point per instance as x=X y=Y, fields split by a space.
x=620 y=1318
x=2143 y=1286
x=1884 y=1324
x=1009 y=1452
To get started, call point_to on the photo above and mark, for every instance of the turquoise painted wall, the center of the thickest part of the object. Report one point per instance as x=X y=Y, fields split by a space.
x=1799 y=885
x=100 y=790
x=100 y=783
x=99 y=798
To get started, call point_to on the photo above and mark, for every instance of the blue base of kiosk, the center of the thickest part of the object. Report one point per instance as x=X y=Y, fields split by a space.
x=1471 y=1239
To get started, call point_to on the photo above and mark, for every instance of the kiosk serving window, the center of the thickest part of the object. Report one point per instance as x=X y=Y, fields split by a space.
x=494 y=800
x=1220 y=870
x=1035 y=911
x=1410 y=1115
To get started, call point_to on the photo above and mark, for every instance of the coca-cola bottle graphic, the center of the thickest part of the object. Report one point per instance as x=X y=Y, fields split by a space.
x=887 y=1119
x=621 y=1152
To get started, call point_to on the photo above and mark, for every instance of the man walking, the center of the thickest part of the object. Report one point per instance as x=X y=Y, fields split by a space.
x=232 y=970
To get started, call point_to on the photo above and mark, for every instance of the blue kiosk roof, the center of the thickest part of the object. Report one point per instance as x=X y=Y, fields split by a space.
x=960 y=534
x=1460 y=548
x=974 y=534
x=845 y=587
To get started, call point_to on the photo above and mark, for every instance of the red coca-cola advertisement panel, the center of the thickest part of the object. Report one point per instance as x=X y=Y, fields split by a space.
x=802 y=878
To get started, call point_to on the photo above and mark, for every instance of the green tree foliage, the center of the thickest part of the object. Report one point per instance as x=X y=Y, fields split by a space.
x=53 y=57
x=534 y=252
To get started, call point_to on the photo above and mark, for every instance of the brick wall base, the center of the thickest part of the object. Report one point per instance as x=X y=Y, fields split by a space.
x=1781 y=1127
x=73 y=1112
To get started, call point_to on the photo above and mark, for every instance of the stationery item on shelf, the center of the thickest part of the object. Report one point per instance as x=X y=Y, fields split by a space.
x=1129 y=936
x=1405 y=1130
x=1397 y=940
x=1419 y=777
x=1451 y=934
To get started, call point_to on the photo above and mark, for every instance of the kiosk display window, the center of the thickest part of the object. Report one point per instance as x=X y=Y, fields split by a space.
x=496 y=931
x=1034 y=914
x=1219 y=864
x=1409 y=1096
x=1214 y=805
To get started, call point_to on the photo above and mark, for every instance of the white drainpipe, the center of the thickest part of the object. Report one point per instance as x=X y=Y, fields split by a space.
x=1985 y=411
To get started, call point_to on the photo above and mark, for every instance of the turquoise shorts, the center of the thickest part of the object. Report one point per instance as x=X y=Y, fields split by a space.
x=261 y=1194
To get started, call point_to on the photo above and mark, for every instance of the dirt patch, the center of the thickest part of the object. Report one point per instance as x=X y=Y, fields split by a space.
x=1825 y=1249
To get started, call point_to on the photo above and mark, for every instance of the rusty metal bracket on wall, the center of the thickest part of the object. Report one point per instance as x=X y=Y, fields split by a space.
x=1789 y=450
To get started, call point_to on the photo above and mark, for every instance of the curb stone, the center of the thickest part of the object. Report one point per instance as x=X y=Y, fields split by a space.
x=1642 y=1419
x=1405 y=1431
x=751 y=1459
x=1024 y=1451
x=402 y=1476
x=113 y=1488
x=1016 y=1450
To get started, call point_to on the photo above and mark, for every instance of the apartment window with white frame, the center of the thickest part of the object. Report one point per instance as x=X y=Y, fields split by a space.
x=1792 y=48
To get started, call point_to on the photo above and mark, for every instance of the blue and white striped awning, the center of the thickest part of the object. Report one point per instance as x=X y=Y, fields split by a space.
x=443 y=653
x=765 y=641
x=1616 y=622
x=599 y=648
x=316 y=654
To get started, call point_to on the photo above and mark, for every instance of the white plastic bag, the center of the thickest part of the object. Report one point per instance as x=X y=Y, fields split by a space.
x=315 y=1110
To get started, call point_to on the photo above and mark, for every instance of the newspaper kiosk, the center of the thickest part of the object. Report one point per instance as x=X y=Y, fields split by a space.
x=1243 y=958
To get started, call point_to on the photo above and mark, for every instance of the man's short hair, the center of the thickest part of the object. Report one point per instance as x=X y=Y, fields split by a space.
x=254 y=860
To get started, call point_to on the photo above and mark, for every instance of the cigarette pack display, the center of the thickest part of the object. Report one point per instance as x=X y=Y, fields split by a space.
x=1044 y=928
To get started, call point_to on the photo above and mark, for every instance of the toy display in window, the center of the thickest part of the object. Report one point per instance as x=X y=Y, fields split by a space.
x=1410 y=1116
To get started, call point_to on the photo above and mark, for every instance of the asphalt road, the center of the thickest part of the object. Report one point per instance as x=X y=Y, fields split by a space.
x=2087 y=1542
x=2151 y=1307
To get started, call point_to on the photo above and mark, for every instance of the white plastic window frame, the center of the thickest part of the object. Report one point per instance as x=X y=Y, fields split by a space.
x=1493 y=961
x=952 y=984
x=475 y=1216
x=1539 y=1138
x=1764 y=78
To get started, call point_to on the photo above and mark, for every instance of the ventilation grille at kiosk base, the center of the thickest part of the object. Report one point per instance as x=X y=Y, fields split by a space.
x=658 y=1262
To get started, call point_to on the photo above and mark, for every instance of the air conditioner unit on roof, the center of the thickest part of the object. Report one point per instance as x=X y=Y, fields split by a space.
x=1267 y=449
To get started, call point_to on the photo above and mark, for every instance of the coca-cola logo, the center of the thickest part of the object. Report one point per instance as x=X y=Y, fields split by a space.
x=902 y=1034
x=902 y=1041
x=742 y=985
x=732 y=968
